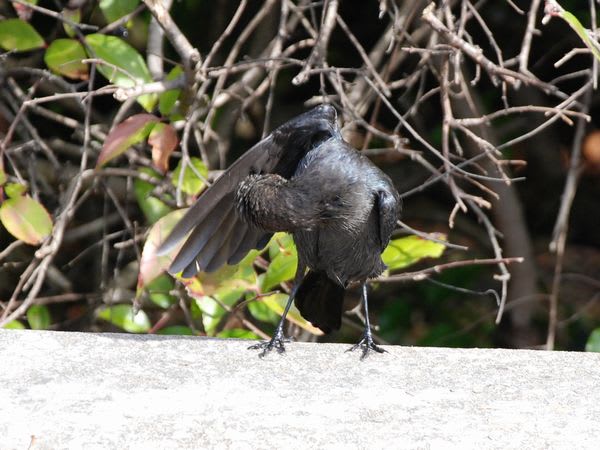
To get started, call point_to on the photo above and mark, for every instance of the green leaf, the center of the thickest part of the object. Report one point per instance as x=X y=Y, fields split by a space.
x=16 y=34
x=38 y=317
x=593 y=342
x=167 y=100
x=212 y=313
x=26 y=219
x=152 y=207
x=14 y=325
x=125 y=66
x=237 y=333
x=122 y=316
x=3 y=177
x=15 y=190
x=74 y=15
x=576 y=25
x=192 y=183
x=159 y=289
x=227 y=284
x=177 y=330
x=64 y=57
x=227 y=294
x=131 y=131
x=115 y=9
x=403 y=252
x=260 y=311
x=280 y=242
x=282 y=268
x=277 y=302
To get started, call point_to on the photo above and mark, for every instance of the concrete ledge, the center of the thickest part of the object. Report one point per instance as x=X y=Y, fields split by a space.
x=74 y=390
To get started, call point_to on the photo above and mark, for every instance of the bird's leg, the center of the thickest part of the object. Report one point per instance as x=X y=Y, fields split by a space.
x=278 y=340
x=366 y=343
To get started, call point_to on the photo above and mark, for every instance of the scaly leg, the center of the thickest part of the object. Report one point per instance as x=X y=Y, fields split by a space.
x=278 y=340
x=366 y=343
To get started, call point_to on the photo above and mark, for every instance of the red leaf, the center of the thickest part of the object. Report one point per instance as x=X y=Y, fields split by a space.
x=23 y=12
x=129 y=132
x=163 y=140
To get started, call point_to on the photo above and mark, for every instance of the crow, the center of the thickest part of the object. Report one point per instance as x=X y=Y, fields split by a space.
x=304 y=179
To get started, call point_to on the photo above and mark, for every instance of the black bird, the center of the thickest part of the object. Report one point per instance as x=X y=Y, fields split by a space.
x=304 y=179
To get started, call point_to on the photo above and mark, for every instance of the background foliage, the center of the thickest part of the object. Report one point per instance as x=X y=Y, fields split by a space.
x=112 y=121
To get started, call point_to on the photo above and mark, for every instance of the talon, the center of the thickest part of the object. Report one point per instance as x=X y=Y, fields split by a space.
x=367 y=345
x=277 y=342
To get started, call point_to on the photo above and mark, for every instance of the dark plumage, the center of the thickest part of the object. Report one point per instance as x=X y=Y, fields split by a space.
x=304 y=179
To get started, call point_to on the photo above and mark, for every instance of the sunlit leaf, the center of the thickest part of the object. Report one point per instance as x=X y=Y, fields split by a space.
x=14 y=190
x=403 y=252
x=241 y=278
x=125 y=66
x=38 y=317
x=193 y=287
x=14 y=325
x=168 y=99
x=553 y=9
x=260 y=311
x=282 y=268
x=237 y=333
x=177 y=330
x=226 y=293
x=152 y=265
x=212 y=313
x=115 y=9
x=26 y=219
x=163 y=140
x=16 y=34
x=152 y=207
x=122 y=316
x=129 y=132
x=230 y=293
x=277 y=302
x=3 y=177
x=64 y=57
x=280 y=242
x=193 y=178
x=593 y=342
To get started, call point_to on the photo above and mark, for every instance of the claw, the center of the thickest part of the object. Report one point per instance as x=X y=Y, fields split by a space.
x=277 y=342
x=367 y=345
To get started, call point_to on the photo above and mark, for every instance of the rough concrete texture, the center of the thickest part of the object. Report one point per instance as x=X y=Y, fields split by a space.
x=73 y=390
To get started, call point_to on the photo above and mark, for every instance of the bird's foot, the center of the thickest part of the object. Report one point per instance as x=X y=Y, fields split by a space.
x=367 y=345
x=276 y=343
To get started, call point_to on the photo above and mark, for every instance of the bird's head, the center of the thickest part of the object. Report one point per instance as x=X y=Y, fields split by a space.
x=311 y=128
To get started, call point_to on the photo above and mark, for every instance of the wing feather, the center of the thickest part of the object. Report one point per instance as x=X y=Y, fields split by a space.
x=389 y=209
x=218 y=235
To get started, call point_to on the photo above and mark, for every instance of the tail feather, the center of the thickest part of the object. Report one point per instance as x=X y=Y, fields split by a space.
x=320 y=301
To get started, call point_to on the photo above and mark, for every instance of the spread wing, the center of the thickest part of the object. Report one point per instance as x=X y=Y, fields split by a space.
x=217 y=235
